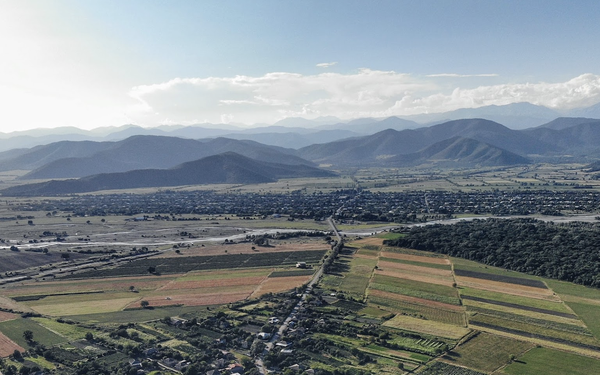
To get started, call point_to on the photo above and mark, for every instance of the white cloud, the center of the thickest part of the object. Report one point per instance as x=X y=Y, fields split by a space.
x=454 y=75
x=326 y=65
x=367 y=92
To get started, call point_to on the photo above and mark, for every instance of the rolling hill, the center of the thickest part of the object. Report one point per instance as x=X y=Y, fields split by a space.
x=380 y=148
x=458 y=152
x=137 y=152
x=226 y=168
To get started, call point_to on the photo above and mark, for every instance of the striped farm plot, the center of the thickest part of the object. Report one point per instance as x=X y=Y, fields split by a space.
x=444 y=274
x=416 y=258
x=428 y=327
x=415 y=276
x=397 y=303
x=507 y=288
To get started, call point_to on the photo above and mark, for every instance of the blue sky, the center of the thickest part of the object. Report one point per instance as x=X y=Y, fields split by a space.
x=91 y=63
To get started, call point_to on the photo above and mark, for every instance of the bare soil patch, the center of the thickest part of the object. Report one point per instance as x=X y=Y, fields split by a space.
x=4 y=316
x=370 y=241
x=7 y=346
x=279 y=284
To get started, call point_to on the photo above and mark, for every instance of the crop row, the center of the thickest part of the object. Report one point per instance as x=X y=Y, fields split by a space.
x=414 y=293
x=186 y=264
x=430 y=313
x=520 y=307
x=529 y=320
x=533 y=331
x=500 y=278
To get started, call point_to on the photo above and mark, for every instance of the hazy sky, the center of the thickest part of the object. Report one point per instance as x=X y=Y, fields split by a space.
x=90 y=63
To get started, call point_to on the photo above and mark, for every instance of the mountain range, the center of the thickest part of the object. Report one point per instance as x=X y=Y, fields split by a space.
x=153 y=160
x=225 y=168
x=299 y=132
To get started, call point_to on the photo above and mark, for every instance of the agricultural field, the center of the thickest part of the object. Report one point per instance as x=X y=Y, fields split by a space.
x=14 y=329
x=543 y=361
x=486 y=352
x=216 y=278
x=507 y=312
x=442 y=368
x=428 y=327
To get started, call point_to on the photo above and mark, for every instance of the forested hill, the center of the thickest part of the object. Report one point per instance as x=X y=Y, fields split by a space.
x=567 y=252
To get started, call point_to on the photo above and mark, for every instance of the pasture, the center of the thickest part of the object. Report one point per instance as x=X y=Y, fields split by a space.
x=14 y=329
x=543 y=361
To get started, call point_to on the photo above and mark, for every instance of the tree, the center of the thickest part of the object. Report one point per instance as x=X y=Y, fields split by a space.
x=17 y=355
x=144 y=304
x=65 y=256
x=28 y=336
x=89 y=336
x=132 y=288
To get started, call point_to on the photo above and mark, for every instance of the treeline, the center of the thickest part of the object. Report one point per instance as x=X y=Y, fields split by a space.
x=569 y=251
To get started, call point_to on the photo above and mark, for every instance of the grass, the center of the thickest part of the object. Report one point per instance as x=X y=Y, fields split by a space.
x=391 y=236
x=542 y=361
x=486 y=352
x=566 y=288
x=72 y=331
x=84 y=307
x=354 y=275
x=14 y=330
x=137 y=316
x=590 y=314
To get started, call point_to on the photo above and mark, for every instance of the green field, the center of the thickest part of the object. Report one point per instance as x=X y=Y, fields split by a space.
x=350 y=275
x=391 y=236
x=139 y=315
x=486 y=352
x=14 y=330
x=542 y=361
x=590 y=314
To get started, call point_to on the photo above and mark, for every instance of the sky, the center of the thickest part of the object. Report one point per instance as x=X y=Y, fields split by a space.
x=89 y=63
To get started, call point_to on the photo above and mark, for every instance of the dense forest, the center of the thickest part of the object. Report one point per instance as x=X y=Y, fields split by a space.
x=568 y=251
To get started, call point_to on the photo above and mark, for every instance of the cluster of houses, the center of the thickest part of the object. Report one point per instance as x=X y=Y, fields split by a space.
x=225 y=365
